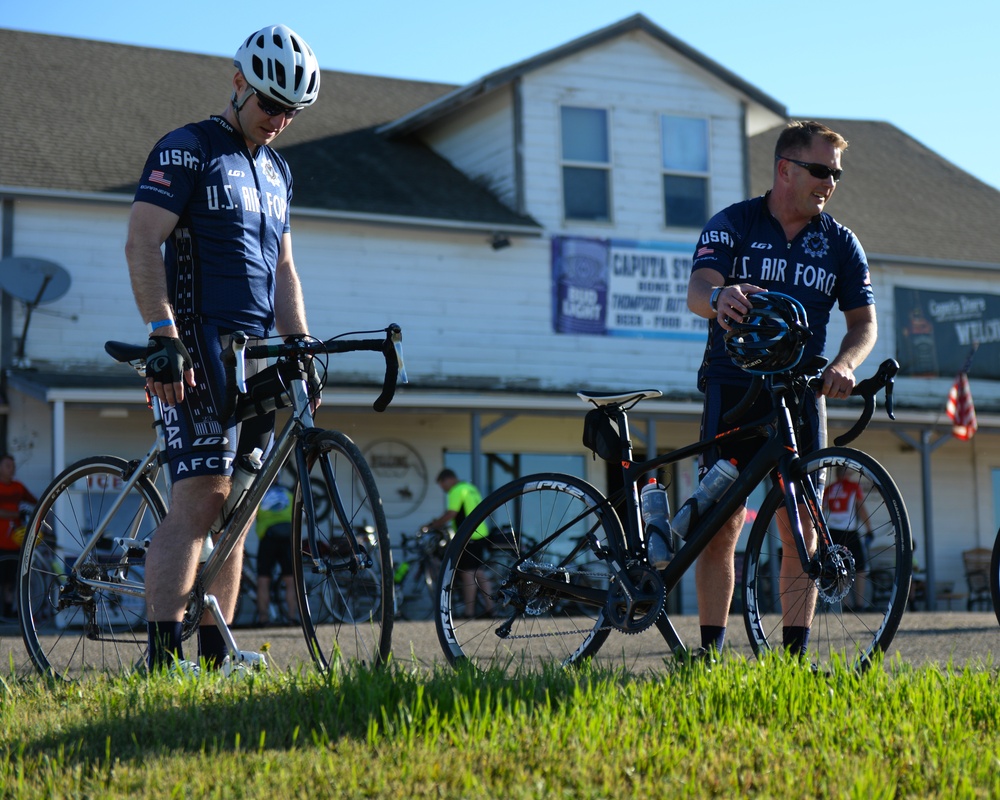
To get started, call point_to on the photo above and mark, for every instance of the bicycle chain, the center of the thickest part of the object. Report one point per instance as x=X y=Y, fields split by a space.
x=565 y=571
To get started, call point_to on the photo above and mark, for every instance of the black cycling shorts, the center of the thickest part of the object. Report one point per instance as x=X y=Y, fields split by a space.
x=719 y=398
x=198 y=443
x=473 y=554
x=275 y=548
x=854 y=542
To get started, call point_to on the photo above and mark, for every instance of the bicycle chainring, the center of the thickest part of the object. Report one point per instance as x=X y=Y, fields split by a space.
x=636 y=611
x=837 y=574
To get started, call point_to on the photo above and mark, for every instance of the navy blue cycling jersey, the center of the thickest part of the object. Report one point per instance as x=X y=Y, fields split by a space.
x=824 y=264
x=233 y=210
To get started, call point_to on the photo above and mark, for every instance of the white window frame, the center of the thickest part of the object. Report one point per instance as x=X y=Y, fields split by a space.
x=589 y=165
x=706 y=174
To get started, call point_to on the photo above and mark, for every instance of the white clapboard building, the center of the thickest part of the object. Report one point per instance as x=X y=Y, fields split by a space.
x=530 y=231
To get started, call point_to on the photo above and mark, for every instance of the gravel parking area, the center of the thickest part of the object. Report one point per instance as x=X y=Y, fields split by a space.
x=956 y=637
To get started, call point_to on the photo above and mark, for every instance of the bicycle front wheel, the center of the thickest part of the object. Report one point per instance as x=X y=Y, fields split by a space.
x=995 y=576
x=90 y=616
x=540 y=597
x=854 y=606
x=346 y=607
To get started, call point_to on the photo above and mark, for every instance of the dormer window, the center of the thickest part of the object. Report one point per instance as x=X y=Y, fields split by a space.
x=684 y=148
x=586 y=164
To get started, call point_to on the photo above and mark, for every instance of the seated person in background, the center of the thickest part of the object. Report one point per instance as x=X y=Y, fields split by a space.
x=13 y=495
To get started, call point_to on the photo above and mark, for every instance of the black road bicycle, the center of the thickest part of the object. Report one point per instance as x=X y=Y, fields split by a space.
x=586 y=575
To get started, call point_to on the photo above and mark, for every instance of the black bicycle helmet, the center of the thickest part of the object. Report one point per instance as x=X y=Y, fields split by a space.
x=771 y=337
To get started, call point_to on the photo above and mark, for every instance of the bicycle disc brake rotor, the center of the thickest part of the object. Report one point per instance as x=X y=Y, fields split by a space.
x=837 y=574
x=635 y=612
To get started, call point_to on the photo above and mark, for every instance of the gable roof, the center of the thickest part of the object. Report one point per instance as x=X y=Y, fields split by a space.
x=89 y=112
x=461 y=95
x=903 y=200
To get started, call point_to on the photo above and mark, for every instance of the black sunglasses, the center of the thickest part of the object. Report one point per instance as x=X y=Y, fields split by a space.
x=821 y=171
x=272 y=109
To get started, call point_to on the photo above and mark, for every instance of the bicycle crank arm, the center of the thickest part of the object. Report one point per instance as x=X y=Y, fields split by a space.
x=236 y=656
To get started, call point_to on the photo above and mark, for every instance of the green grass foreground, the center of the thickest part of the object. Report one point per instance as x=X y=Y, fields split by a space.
x=743 y=728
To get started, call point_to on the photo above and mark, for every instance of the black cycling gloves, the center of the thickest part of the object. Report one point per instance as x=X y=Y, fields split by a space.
x=166 y=359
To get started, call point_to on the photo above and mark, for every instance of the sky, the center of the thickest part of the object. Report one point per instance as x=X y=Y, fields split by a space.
x=929 y=68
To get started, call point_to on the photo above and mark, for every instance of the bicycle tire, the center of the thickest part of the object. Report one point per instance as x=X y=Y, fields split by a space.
x=345 y=614
x=995 y=576
x=533 y=625
x=855 y=617
x=73 y=631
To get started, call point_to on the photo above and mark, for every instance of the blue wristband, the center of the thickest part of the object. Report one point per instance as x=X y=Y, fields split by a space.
x=161 y=323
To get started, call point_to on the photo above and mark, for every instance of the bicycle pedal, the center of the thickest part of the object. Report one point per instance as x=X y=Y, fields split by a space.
x=246 y=661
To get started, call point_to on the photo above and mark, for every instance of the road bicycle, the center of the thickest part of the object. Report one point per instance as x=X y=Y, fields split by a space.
x=587 y=575
x=417 y=572
x=104 y=510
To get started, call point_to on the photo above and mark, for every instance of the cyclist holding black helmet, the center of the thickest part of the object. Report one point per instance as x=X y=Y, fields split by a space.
x=783 y=242
x=217 y=196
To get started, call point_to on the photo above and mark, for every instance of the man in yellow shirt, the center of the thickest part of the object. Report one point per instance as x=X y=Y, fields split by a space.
x=462 y=498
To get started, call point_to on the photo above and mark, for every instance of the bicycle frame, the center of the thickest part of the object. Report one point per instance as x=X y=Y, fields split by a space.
x=293 y=437
x=778 y=455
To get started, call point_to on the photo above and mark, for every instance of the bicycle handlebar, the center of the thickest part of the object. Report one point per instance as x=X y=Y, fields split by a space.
x=884 y=378
x=391 y=347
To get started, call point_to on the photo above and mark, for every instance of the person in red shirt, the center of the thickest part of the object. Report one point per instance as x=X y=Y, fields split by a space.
x=13 y=495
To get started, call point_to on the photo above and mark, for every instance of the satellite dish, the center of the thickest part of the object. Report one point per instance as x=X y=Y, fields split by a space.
x=34 y=281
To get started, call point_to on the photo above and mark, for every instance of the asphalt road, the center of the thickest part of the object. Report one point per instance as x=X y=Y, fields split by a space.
x=957 y=637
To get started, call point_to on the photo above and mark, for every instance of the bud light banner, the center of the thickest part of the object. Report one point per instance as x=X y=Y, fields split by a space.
x=936 y=331
x=619 y=287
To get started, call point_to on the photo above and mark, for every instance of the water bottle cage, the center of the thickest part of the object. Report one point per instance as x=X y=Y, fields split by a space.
x=691 y=504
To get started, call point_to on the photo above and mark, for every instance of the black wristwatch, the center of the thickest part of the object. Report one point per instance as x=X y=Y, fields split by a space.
x=713 y=301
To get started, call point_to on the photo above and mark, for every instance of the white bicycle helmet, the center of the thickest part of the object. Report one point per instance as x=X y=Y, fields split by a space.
x=278 y=63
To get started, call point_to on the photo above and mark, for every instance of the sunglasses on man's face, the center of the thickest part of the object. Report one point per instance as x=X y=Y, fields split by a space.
x=821 y=171
x=272 y=109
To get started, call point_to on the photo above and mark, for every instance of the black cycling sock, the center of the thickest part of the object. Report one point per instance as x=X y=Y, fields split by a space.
x=795 y=639
x=164 y=644
x=713 y=636
x=211 y=646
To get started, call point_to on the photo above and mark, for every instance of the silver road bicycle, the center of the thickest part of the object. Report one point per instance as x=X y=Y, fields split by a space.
x=87 y=539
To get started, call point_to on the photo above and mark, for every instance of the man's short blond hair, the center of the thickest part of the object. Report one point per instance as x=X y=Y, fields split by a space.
x=798 y=135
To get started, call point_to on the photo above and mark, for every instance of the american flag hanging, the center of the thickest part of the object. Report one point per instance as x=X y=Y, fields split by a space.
x=960 y=410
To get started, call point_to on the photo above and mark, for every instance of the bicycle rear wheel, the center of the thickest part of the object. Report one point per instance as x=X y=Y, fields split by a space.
x=346 y=610
x=995 y=576
x=73 y=629
x=857 y=605
x=554 y=526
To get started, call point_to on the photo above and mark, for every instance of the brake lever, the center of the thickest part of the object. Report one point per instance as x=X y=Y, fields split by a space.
x=891 y=367
x=396 y=334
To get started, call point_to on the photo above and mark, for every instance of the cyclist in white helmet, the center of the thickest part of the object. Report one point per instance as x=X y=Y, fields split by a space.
x=216 y=196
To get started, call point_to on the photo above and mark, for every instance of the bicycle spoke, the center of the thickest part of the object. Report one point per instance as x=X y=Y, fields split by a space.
x=853 y=607
x=73 y=629
x=346 y=607
x=506 y=602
